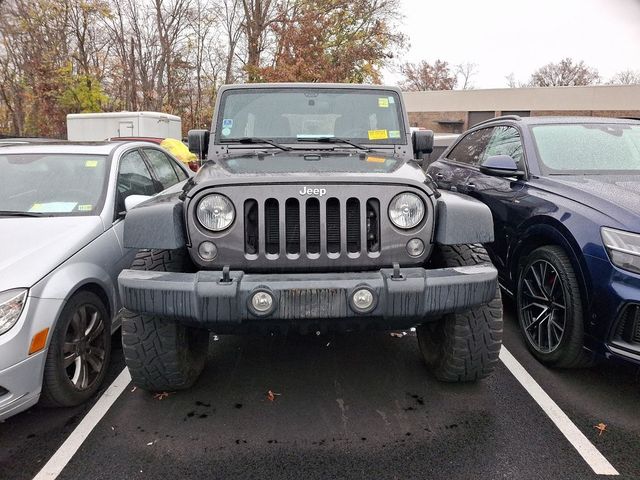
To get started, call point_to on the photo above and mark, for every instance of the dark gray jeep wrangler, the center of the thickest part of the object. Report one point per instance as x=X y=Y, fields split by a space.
x=312 y=213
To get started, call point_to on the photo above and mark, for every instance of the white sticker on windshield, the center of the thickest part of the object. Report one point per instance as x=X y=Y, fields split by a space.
x=392 y=100
x=227 y=123
x=226 y=132
x=53 y=207
x=309 y=135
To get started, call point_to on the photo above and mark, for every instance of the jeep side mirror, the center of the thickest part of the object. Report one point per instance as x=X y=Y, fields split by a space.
x=422 y=141
x=198 y=141
x=500 y=166
x=134 y=200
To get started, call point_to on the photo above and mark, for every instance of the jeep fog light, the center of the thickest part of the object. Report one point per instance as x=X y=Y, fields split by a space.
x=215 y=212
x=406 y=210
x=262 y=302
x=363 y=300
x=415 y=247
x=208 y=251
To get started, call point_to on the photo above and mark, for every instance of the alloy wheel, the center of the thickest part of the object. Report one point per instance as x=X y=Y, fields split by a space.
x=84 y=347
x=543 y=307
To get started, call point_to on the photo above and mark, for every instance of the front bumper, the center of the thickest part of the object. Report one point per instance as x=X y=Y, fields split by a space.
x=205 y=299
x=23 y=383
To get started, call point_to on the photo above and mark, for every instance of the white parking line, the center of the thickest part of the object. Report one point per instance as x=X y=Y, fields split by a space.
x=71 y=445
x=585 y=448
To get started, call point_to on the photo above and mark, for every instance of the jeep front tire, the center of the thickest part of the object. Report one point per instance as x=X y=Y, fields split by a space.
x=463 y=347
x=162 y=354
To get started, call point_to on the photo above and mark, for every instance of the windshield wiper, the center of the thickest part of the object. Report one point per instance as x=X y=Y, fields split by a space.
x=249 y=140
x=333 y=140
x=13 y=213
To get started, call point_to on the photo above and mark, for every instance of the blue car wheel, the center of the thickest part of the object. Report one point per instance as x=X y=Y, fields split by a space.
x=550 y=309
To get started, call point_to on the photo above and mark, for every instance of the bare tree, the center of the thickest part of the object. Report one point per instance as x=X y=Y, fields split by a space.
x=626 y=77
x=565 y=73
x=425 y=76
x=259 y=16
x=464 y=73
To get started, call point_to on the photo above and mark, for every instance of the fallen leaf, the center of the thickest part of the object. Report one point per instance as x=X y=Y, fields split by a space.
x=396 y=334
x=162 y=396
x=601 y=427
x=133 y=389
x=150 y=443
x=271 y=396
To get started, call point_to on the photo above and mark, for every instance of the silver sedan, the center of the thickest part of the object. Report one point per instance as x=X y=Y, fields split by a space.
x=62 y=208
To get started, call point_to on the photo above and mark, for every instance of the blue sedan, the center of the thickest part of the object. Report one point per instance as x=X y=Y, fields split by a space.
x=565 y=198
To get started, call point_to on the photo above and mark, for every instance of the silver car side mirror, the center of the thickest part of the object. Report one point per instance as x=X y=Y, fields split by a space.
x=134 y=200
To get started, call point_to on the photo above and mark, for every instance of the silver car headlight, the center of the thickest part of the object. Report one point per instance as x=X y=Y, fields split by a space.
x=11 y=306
x=406 y=210
x=623 y=248
x=215 y=212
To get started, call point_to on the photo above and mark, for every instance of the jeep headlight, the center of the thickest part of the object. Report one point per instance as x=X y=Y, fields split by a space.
x=406 y=210
x=11 y=305
x=623 y=248
x=215 y=212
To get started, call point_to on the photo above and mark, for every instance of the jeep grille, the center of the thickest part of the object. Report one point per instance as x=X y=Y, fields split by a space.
x=279 y=229
x=295 y=226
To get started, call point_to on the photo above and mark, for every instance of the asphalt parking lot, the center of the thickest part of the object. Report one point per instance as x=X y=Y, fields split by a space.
x=344 y=406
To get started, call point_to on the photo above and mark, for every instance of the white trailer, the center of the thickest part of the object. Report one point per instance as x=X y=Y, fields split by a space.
x=85 y=127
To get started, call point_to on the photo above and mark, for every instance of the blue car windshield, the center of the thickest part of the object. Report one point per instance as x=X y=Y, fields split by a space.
x=293 y=115
x=588 y=147
x=52 y=184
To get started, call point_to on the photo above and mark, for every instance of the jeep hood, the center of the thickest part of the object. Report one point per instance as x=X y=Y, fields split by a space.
x=30 y=248
x=322 y=165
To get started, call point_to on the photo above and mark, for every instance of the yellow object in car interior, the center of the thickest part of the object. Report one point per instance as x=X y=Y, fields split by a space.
x=179 y=150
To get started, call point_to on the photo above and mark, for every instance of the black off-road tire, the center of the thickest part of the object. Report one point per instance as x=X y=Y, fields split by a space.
x=463 y=347
x=58 y=389
x=570 y=352
x=162 y=354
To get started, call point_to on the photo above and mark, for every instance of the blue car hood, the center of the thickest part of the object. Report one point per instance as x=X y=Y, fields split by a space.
x=617 y=196
x=30 y=248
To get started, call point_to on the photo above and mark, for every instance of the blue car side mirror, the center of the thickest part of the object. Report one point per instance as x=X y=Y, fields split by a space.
x=501 y=166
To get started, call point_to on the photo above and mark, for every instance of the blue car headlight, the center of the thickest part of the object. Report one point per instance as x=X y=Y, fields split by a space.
x=11 y=305
x=623 y=248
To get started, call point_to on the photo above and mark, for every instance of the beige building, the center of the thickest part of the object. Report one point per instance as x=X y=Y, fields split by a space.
x=454 y=111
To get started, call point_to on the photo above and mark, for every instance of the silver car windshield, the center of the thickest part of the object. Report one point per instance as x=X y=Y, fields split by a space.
x=52 y=184
x=291 y=115
x=588 y=147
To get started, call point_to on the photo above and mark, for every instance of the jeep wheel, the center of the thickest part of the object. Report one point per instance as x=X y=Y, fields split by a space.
x=162 y=354
x=462 y=347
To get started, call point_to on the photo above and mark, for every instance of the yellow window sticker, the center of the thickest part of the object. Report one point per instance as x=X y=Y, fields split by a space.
x=383 y=102
x=36 y=207
x=394 y=133
x=376 y=159
x=91 y=163
x=378 y=135
x=85 y=208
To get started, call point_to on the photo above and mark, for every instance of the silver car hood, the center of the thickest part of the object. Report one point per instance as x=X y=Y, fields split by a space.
x=30 y=248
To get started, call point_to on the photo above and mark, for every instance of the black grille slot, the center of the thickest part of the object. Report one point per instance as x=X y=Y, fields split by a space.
x=353 y=225
x=628 y=328
x=313 y=225
x=271 y=226
x=251 y=227
x=333 y=225
x=292 y=225
x=373 y=225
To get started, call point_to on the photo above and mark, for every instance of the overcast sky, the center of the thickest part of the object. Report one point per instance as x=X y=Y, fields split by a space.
x=518 y=36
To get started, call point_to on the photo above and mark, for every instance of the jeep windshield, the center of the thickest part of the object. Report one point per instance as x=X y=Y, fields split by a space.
x=588 y=148
x=52 y=184
x=289 y=115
